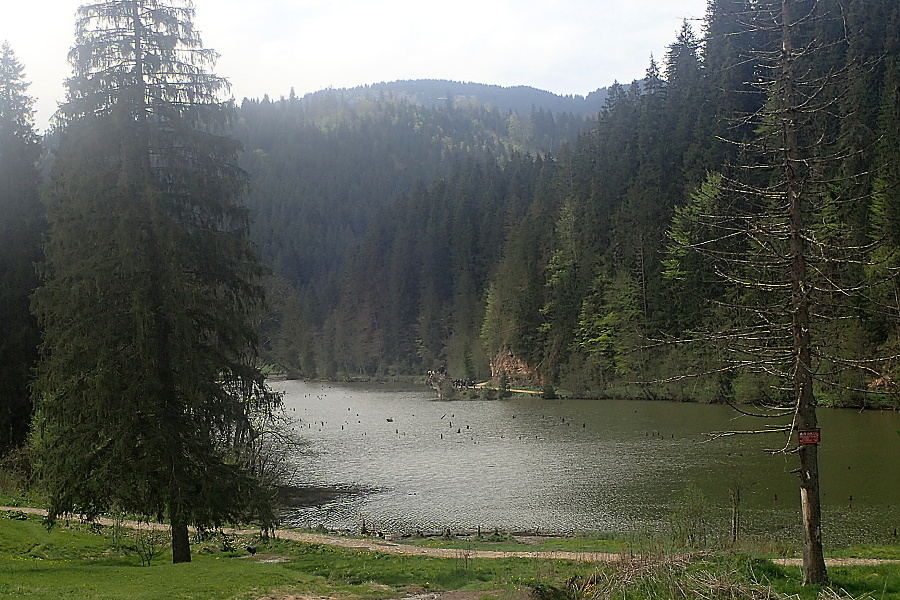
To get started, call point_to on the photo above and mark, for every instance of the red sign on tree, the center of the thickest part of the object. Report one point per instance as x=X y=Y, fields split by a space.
x=813 y=436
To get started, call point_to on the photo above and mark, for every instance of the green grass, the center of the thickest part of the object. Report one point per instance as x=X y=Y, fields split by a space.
x=880 y=582
x=205 y=578
x=867 y=551
x=728 y=577
x=78 y=562
x=75 y=562
x=11 y=495
x=398 y=571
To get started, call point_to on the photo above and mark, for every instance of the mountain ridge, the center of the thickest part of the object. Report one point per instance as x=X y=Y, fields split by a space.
x=438 y=92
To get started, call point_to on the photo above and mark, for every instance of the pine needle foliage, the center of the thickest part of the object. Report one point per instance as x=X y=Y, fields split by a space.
x=147 y=393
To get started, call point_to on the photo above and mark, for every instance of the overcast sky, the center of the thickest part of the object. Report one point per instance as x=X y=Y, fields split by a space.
x=269 y=46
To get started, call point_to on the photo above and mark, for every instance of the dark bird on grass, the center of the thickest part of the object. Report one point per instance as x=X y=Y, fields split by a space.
x=251 y=550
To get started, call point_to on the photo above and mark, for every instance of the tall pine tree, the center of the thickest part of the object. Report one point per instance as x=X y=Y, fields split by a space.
x=147 y=389
x=21 y=224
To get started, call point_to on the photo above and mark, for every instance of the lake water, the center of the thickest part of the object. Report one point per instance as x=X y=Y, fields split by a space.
x=405 y=461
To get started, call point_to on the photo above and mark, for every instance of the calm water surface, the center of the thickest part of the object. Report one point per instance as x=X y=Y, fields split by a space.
x=405 y=461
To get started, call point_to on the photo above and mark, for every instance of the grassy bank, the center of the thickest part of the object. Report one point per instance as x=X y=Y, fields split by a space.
x=80 y=562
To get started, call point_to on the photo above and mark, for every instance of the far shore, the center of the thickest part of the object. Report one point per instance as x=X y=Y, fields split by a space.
x=638 y=394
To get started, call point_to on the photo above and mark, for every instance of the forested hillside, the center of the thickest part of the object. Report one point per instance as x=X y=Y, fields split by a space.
x=324 y=166
x=408 y=236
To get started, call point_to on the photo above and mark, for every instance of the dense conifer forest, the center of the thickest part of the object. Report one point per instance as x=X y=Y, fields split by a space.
x=406 y=234
x=547 y=240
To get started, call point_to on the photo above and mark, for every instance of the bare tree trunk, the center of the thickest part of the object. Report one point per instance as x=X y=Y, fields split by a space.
x=735 y=494
x=814 y=571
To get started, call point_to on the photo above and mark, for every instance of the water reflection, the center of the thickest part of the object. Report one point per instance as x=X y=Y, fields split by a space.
x=404 y=461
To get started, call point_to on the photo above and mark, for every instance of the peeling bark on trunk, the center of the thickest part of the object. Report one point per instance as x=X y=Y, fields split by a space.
x=814 y=571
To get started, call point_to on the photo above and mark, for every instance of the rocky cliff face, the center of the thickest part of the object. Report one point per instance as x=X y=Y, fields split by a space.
x=517 y=370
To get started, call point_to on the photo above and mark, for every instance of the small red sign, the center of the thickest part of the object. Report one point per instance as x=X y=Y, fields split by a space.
x=813 y=436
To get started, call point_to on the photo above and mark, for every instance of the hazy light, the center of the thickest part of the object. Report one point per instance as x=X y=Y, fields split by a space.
x=270 y=46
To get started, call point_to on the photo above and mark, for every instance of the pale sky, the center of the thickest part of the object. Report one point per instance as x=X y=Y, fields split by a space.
x=269 y=46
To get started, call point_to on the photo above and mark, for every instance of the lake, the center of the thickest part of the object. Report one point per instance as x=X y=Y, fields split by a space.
x=404 y=461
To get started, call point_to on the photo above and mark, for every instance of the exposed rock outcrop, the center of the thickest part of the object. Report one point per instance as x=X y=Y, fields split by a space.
x=517 y=370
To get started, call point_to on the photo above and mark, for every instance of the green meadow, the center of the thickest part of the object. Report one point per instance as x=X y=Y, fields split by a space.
x=77 y=561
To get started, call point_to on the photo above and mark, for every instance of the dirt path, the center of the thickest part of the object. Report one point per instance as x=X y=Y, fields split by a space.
x=395 y=548
x=362 y=543
x=485 y=384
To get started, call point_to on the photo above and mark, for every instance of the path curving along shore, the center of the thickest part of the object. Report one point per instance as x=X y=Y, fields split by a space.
x=378 y=545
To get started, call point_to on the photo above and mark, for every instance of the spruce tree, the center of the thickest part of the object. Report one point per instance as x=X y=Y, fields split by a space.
x=21 y=219
x=147 y=390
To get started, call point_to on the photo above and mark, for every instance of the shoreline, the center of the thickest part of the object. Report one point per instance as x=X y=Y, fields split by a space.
x=415 y=382
x=389 y=546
